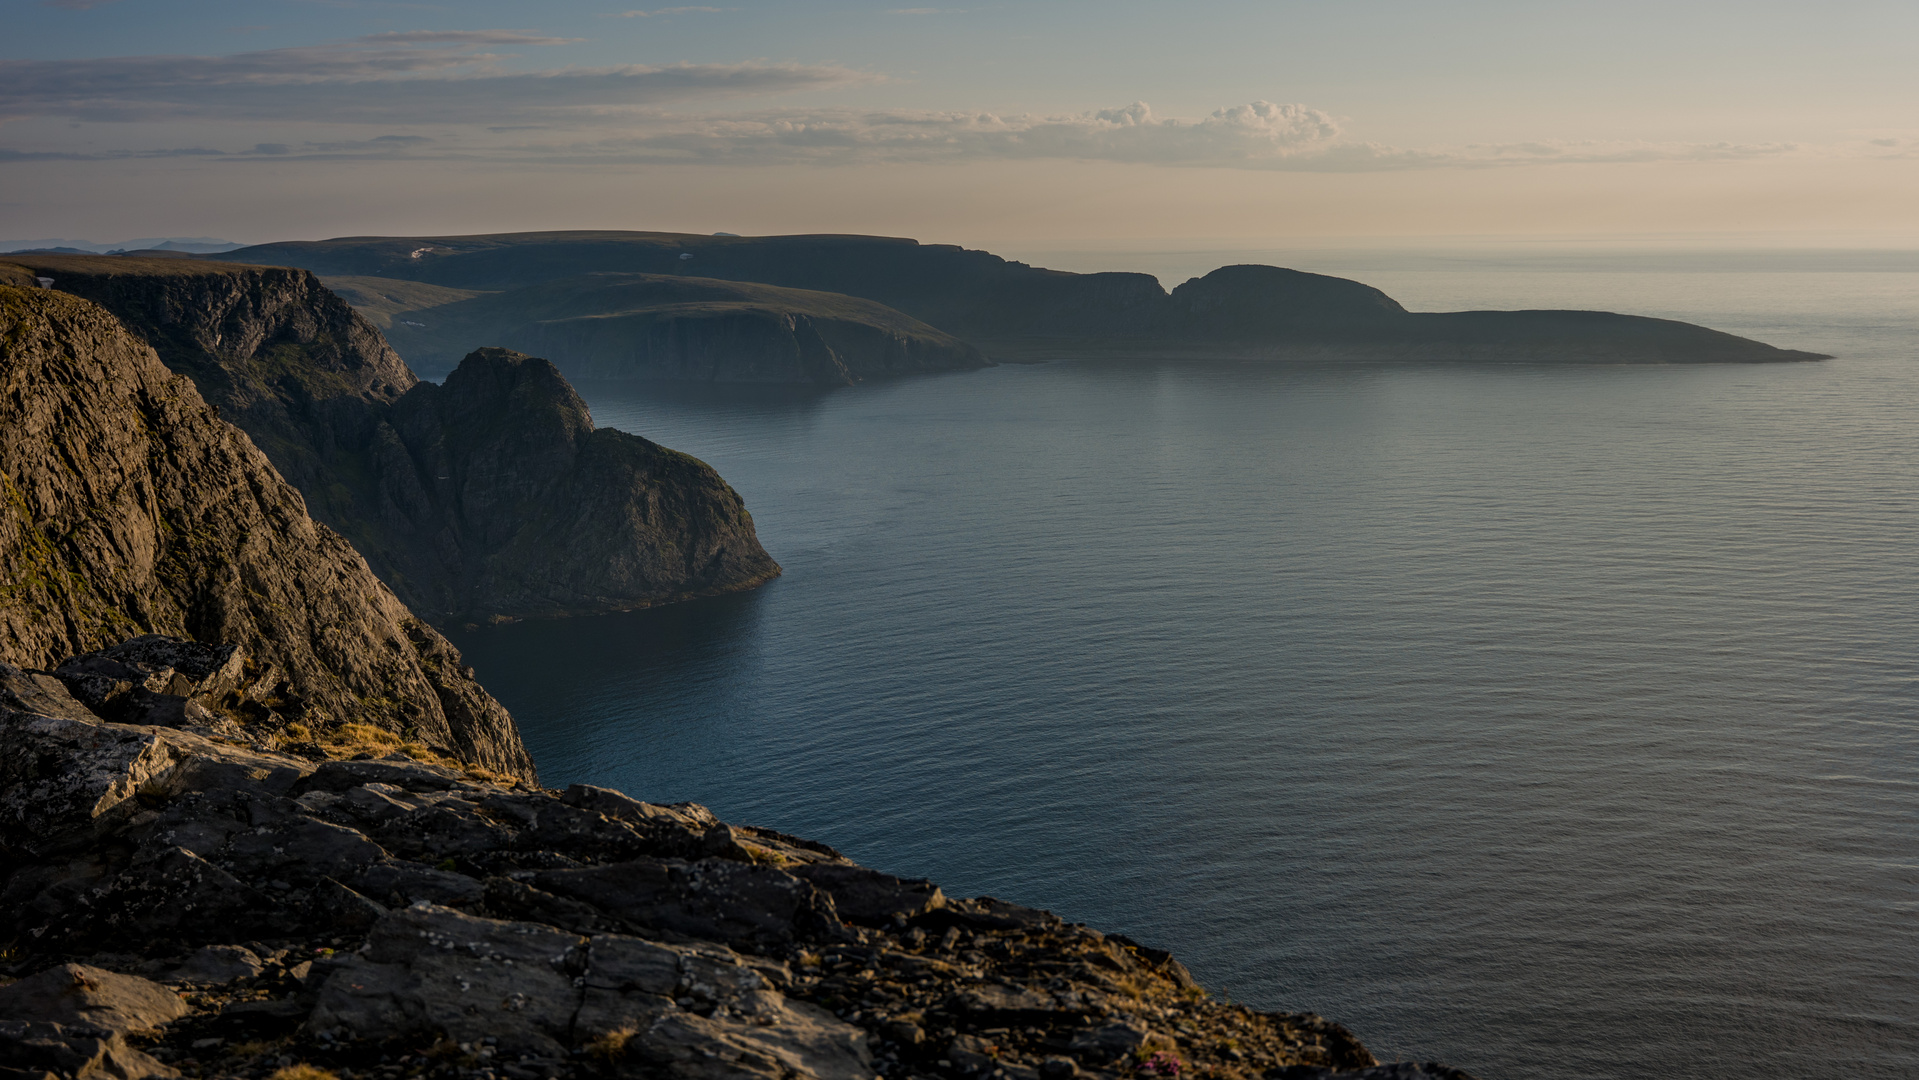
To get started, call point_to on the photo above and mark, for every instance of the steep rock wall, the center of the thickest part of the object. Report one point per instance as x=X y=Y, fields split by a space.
x=127 y=506
x=536 y=511
x=319 y=390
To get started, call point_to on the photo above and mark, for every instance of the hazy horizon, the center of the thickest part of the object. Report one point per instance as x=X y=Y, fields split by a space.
x=992 y=126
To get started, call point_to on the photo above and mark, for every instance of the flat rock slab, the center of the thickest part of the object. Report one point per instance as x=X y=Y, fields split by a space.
x=216 y=965
x=77 y=994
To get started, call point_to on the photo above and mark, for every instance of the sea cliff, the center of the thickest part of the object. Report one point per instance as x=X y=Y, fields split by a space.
x=454 y=494
x=130 y=507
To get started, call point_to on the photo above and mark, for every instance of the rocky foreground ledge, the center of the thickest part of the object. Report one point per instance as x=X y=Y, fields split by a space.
x=182 y=903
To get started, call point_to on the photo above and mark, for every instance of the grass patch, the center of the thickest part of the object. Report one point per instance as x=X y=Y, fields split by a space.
x=610 y=1048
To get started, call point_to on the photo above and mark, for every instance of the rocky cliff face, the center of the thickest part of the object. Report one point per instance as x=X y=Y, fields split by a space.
x=128 y=506
x=598 y=521
x=506 y=499
x=176 y=906
x=284 y=359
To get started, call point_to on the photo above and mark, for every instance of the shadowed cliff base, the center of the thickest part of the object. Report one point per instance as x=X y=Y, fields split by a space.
x=491 y=497
x=1013 y=311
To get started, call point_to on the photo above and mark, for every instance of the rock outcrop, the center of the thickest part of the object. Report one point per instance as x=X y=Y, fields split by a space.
x=1021 y=312
x=498 y=496
x=127 y=507
x=179 y=906
x=661 y=328
x=411 y=473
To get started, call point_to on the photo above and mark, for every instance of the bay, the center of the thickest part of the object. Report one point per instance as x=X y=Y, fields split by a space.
x=1551 y=721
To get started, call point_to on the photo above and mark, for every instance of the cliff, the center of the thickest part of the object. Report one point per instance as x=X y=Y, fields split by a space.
x=515 y=503
x=176 y=906
x=1016 y=311
x=127 y=506
x=655 y=327
x=410 y=474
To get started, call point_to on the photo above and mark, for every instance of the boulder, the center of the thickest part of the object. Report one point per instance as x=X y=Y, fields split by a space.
x=712 y=899
x=43 y=1051
x=870 y=897
x=703 y=1010
x=435 y=970
x=81 y=995
x=40 y=694
x=215 y=965
x=64 y=781
x=156 y=679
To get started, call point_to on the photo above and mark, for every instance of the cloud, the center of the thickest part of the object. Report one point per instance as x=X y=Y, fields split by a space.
x=596 y=117
x=393 y=78
x=659 y=11
x=76 y=5
x=1610 y=153
x=108 y=155
x=1259 y=135
x=1243 y=134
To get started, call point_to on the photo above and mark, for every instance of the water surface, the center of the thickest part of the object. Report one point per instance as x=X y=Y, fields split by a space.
x=1549 y=721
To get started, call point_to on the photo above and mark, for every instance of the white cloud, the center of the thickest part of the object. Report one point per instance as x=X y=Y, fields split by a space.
x=393 y=78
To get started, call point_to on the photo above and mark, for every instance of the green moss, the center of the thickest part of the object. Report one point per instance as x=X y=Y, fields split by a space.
x=40 y=585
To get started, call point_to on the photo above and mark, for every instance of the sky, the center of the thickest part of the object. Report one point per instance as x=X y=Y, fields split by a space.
x=1327 y=121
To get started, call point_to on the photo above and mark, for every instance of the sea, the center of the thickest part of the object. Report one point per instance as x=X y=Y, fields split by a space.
x=1550 y=721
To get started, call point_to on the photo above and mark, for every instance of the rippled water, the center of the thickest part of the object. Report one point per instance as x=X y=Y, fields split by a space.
x=1549 y=721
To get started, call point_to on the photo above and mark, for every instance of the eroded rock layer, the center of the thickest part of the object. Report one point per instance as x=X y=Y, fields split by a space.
x=181 y=906
x=128 y=506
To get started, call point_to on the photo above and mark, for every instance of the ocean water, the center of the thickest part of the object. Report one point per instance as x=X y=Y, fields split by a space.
x=1547 y=721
